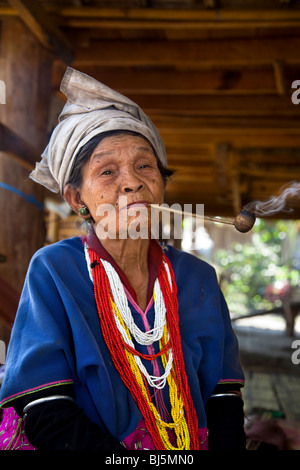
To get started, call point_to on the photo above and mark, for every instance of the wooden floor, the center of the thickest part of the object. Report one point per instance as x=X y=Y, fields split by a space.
x=271 y=392
x=272 y=380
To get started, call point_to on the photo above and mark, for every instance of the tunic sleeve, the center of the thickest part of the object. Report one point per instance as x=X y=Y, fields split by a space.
x=232 y=374
x=39 y=355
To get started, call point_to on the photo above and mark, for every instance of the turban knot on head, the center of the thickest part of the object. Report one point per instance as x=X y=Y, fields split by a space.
x=92 y=108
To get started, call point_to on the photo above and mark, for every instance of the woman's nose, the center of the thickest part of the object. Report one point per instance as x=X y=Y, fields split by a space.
x=133 y=189
x=131 y=183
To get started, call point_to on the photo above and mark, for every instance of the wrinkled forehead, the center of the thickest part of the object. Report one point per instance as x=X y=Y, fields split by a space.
x=115 y=143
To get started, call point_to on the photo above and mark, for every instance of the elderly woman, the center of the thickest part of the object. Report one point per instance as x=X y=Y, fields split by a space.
x=118 y=343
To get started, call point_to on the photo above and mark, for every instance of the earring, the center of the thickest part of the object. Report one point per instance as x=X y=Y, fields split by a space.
x=84 y=211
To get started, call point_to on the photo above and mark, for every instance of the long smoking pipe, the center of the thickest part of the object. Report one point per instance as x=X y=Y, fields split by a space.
x=243 y=222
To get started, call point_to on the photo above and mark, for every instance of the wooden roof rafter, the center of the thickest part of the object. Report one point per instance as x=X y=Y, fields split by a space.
x=43 y=27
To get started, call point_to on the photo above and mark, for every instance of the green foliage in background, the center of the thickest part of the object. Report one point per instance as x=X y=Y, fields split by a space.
x=255 y=276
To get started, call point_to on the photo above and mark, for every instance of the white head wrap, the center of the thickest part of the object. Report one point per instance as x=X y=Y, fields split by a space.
x=91 y=109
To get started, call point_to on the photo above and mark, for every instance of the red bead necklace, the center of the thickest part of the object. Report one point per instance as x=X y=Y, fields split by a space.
x=117 y=347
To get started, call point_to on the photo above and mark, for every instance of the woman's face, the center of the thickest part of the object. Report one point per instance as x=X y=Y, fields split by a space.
x=122 y=174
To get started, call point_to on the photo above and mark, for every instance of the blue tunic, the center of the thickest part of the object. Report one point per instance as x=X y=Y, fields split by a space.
x=56 y=338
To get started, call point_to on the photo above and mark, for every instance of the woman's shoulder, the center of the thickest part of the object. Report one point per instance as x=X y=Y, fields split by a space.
x=188 y=261
x=59 y=251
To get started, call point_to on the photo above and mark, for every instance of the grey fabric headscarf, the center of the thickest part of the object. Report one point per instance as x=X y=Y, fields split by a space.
x=91 y=109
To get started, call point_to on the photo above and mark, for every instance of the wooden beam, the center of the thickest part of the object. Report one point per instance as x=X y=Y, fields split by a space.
x=221 y=164
x=259 y=157
x=185 y=140
x=227 y=174
x=43 y=28
x=247 y=106
x=180 y=108
x=283 y=174
x=17 y=148
x=234 y=181
x=218 y=16
x=203 y=53
x=195 y=174
x=8 y=11
x=182 y=26
x=245 y=81
x=279 y=77
x=9 y=302
x=26 y=69
x=167 y=19
x=269 y=124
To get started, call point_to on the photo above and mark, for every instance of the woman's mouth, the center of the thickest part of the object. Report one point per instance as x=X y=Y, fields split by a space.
x=138 y=203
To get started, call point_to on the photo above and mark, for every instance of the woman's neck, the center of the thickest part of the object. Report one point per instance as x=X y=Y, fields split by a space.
x=129 y=254
x=132 y=257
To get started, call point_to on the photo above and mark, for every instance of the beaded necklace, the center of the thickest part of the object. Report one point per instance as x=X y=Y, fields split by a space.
x=119 y=329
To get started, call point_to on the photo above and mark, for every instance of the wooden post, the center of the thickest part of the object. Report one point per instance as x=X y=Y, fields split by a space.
x=26 y=70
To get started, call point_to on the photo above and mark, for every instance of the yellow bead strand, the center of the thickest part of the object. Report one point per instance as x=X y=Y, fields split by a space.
x=179 y=424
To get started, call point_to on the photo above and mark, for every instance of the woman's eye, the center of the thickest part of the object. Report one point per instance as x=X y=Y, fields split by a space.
x=145 y=166
x=106 y=172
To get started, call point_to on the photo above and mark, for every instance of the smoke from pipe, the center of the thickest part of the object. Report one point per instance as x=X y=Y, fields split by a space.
x=276 y=203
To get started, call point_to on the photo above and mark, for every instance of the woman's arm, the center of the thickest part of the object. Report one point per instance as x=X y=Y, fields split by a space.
x=225 y=420
x=59 y=424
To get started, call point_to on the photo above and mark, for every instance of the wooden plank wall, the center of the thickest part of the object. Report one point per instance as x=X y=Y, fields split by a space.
x=25 y=68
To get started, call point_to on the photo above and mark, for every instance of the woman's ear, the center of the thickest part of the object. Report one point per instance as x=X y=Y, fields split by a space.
x=72 y=196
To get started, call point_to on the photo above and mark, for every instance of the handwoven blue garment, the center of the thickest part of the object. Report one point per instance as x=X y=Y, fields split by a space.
x=56 y=338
